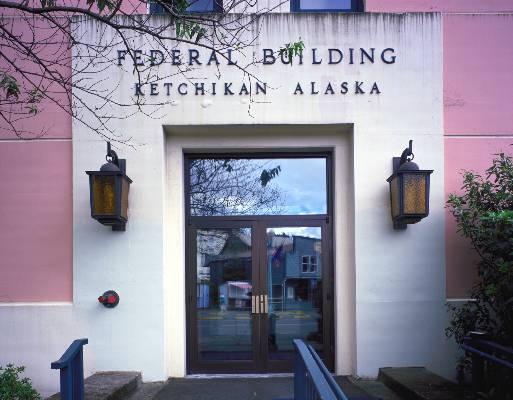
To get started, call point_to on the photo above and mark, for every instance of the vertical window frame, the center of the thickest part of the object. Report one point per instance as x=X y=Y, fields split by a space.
x=305 y=266
x=313 y=264
x=356 y=6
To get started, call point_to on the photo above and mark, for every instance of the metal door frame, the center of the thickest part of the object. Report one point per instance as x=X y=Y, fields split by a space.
x=258 y=224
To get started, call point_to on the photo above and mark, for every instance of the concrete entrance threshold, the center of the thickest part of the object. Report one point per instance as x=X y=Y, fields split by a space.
x=244 y=387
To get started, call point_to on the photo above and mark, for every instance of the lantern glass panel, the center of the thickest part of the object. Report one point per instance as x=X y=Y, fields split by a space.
x=395 y=196
x=104 y=194
x=125 y=185
x=414 y=193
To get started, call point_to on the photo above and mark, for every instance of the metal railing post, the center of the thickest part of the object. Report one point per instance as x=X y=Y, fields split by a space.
x=299 y=378
x=66 y=384
x=483 y=353
x=310 y=381
x=71 y=366
x=477 y=373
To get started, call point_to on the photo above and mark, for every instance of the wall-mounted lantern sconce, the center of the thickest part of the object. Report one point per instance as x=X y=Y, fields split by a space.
x=108 y=189
x=409 y=190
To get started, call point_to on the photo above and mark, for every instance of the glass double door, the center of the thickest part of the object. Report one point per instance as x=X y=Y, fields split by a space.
x=254 y=285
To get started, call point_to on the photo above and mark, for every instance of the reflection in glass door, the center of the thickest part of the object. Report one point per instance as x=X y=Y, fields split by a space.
x=223 y=294
x=294 y=284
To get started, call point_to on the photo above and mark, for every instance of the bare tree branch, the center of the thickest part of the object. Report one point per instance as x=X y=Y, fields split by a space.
x=38 y=38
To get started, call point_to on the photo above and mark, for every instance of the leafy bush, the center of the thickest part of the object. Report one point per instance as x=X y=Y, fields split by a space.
x=484 y=214
x=13 y=387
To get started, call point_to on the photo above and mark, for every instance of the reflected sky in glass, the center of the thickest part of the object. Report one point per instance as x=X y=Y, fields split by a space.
x=280 y=186
x=201 y=5
x=313 y=232
x=302 y=183
x=325 y=4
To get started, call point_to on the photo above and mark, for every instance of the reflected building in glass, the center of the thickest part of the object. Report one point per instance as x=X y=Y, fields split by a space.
x=295 y=287
x=224 y=269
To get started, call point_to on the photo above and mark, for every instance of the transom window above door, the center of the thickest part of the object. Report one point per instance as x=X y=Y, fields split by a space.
x=239 y=185
x=194 y=6
x=326 y=5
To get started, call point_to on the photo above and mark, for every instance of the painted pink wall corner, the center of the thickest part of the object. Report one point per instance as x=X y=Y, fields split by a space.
x=473 y=154
x=478 y=83
x=478 y=78
x=448 y=6
x=36 y=227
x=53 y=119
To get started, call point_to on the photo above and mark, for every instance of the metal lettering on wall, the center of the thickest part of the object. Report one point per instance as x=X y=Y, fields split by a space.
x=191 y=58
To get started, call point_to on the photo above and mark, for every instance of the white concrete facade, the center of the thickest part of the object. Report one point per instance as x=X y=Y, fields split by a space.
x=390 y=288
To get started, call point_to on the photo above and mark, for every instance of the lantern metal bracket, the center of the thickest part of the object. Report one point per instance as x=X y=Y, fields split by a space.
x=120 y=162
x=121 y=227
x=407 y=155
x=398 y=226
x=396 y=163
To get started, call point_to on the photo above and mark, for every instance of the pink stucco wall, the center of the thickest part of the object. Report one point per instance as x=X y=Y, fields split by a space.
x=478 y=110
x=472 y=154
x=35 y=206
x=48 y=41
x=35 y=175
x=53 y=119
x=478 y=78
x=36 y=221
x=446 y=6
x=36 y=171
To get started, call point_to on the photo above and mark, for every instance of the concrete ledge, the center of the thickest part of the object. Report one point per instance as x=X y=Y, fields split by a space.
x=115 y=385
x=417 y=383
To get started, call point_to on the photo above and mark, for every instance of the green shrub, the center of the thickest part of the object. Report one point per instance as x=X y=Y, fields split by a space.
x=13 y=387
x=484 y=215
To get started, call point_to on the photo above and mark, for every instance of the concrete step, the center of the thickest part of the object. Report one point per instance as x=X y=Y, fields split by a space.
x=112 y=385
x=418 y=383
x=241 y=388
x=147 y=391
x=376 y=388
x=353 y=391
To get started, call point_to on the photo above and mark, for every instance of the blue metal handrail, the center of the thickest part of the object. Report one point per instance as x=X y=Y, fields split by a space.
x=487 y=356
x=312 y=380
x=334 y=385
x=71 y=365
x=482 y=350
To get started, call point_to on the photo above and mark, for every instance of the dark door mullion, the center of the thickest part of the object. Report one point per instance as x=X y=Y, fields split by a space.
x=327 y=297
x=262 y=268
x=192 y=318
x=256 y=273
x=272 y=220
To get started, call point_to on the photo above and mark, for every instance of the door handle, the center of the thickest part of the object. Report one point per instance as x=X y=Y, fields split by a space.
x=255 y=304
x=259 y=304
x=263 y=304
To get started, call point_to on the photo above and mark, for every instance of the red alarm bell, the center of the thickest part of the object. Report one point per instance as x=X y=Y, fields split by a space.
x=109 y=299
